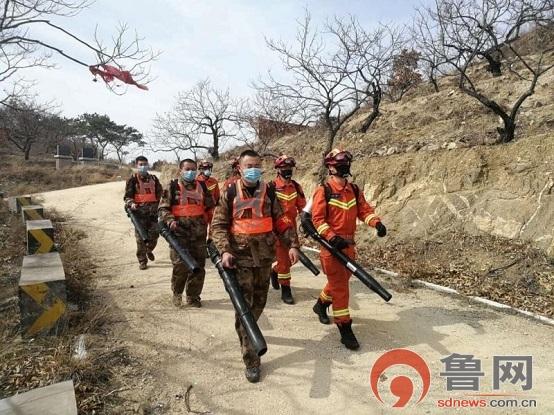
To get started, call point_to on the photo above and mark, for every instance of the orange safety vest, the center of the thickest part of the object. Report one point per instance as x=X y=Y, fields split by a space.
x=191 y=202
x=256 y=224
x=146 y=191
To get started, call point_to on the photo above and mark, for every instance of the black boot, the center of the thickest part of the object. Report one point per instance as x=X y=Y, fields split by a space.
x=252 y=374
x=320 y=309
x=286 y=294
x=347 y=336
x=274 y=280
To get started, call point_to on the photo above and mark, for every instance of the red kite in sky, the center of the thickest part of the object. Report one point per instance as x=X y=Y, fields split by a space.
x=109 y=73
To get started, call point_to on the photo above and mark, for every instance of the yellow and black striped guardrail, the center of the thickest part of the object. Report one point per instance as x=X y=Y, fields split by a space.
x=32 y=212
x=42 y=294
x=40 y=237
x=42 y=289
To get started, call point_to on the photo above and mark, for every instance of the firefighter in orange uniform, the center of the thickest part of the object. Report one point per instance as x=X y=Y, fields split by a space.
x=336 y=206
x=292 y=200
x=205 y=175
x=233 y=175
x=142 y=195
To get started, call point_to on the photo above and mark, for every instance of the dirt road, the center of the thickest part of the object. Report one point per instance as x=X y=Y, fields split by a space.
x=306 y=370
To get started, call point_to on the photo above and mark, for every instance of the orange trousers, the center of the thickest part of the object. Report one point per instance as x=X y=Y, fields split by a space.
x=282 y=268
x=336 y=291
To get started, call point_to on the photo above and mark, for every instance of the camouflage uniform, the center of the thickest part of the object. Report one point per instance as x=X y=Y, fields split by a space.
x=191 y=233
x=147 y=214
x=253 y=254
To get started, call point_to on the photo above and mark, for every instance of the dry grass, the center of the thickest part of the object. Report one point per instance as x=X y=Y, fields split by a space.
x=19 y=177
x=31 y=363
x=12 y=249
x=510 y=272
x=168 y=173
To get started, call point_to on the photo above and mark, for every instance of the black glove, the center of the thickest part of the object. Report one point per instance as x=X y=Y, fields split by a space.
x=381 y=230
x=338 y=242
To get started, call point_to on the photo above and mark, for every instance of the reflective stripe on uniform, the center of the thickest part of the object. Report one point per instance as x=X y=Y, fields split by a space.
x=369 y=218
x=286 y=197
x=341 y=312
x=326 y=298
x=343 y=205
x=212 y=187
x=284 y=276
x=322 y=228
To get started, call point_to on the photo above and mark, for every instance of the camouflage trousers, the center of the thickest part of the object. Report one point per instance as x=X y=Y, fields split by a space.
x=150 y=224
x=254 y=284
x=184 y=280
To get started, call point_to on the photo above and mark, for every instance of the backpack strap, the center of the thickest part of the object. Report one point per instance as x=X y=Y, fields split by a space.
x=327 y=190
x=231 y=193
x=172 y=191
x=204 y=187
x=356 y=191
x=271 y=192
x=298 y=188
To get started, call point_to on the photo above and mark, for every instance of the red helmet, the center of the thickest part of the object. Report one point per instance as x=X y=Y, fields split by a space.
x=284 y=161
x=205 y=164
x=337 y=156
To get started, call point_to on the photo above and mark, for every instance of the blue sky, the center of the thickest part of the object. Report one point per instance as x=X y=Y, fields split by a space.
x=222 y=40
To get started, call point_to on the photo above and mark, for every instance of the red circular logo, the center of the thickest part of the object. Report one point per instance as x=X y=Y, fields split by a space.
x=401 y=386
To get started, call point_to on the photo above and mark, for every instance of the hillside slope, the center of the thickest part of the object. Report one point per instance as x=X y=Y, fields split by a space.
x=429 y=164
x=462 y=211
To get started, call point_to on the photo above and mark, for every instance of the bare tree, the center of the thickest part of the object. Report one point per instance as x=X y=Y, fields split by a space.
x=21 y=47
x=24 y=123
x=265 y=117
x=170 y=134
x=431 y=50
x=463 y=36
x=373 y=54
x=202 y=118
x=320 y=78
x=333 y=71
x=486 y=29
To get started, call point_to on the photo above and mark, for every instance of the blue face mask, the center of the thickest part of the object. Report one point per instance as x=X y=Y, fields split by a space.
x=143 y=170
x=189 y=175
x=207 y=173
x=252 y=175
